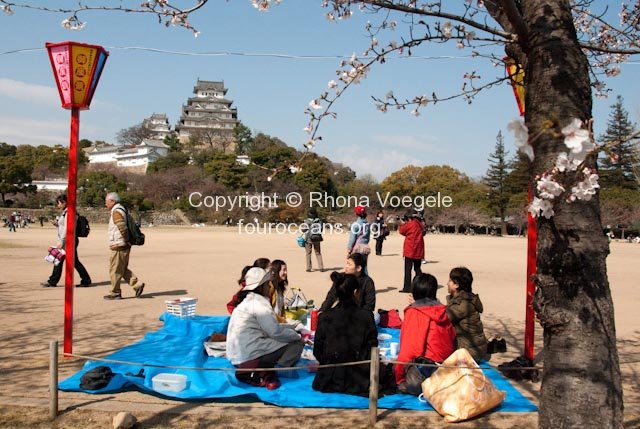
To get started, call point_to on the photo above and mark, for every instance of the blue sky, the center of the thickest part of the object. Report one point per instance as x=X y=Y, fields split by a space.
x=269 y=93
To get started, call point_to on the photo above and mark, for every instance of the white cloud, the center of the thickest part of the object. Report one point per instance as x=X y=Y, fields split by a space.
x=369 y=161
x=35 y=131
x=29 y=92
x=417 y=145
x=17 y=131
x=42 y=95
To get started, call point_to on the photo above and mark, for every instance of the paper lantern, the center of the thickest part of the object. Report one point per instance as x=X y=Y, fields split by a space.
x=77 y=68
x=516 y=75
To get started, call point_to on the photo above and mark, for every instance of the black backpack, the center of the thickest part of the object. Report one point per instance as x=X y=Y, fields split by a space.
x=97 y=378
x=136 y=237
x=82 y=227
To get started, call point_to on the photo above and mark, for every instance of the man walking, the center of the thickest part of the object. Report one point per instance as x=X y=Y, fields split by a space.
x=61 y=223
x=118 y=234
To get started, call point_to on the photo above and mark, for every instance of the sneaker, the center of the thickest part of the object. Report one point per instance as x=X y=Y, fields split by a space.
x=272 y=383
x=47 y=284
x=83 y=284
x=113 y=296
x=139 y=290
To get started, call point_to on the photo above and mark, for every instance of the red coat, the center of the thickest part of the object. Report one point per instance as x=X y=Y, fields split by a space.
x=426 y=331
x=414 y=242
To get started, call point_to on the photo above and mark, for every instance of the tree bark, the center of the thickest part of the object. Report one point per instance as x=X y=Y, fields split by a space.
x=581 y=385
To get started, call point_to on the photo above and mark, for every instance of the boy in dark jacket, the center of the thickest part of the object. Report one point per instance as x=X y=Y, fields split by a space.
x=426 y=331
x=464 y=309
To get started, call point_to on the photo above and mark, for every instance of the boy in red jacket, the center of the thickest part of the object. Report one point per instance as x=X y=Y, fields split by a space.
x=426 y=329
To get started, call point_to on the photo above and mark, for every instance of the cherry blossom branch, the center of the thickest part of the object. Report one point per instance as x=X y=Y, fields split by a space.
x=423 y=100
x=410 y=8
x=166 y=12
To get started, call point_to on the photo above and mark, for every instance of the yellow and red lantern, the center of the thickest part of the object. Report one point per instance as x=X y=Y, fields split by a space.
x=77 y=68
x=516 y=75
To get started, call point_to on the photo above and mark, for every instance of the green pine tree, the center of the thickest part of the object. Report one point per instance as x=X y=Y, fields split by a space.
x=617 y=165
x=496 y=179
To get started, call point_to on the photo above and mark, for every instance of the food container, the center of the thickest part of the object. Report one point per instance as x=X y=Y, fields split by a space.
x=165 y=382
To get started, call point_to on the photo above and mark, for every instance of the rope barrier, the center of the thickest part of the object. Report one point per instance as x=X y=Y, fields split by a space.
x=295 y=368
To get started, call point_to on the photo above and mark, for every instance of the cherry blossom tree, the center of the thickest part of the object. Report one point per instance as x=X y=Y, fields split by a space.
x=567 y=48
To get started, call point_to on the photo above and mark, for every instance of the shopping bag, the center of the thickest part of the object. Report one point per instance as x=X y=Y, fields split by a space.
x=460 y=393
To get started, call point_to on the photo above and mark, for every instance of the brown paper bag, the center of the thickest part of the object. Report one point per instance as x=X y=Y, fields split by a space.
x=459 y=394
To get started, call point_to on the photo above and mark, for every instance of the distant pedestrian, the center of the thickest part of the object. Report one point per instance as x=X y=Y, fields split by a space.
x=359 y=234
x=413 y=249
x=12 y=222
x=381 y=232
x=118 y=234
x=61 y=224
x=313 y=236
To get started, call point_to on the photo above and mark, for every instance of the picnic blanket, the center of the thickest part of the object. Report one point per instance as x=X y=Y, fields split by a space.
x=180 y=343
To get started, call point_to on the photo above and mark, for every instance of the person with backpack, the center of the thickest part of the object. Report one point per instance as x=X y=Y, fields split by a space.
x=61 y=224
x=120 y=246
x=313 y=237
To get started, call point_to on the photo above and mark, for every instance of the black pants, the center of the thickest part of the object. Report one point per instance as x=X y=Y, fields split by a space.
x=379 y=242
x=408 y=263
x=57 y=271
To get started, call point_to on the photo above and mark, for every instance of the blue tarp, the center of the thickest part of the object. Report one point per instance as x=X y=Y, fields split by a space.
x=180 y=343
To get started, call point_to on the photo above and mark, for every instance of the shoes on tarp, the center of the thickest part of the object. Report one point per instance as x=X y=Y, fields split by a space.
x=497 y=345
x=520 y=369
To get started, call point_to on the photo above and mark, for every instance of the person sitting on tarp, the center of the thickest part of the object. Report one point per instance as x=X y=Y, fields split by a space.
x=345 y=333
x=263 y=263
x=427 y=334
x=255 y=339
x=366 y=297
x=277 y=287
x=464 y=308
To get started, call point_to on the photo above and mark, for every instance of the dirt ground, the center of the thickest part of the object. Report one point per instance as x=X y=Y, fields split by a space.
x=205 y=263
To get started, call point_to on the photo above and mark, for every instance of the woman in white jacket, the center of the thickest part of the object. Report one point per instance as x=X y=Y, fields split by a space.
x=255 y=339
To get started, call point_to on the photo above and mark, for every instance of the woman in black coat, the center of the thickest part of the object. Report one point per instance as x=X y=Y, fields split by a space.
x=345 y=333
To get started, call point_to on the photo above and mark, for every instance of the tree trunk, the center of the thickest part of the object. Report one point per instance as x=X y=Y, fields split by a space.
x=581 y=384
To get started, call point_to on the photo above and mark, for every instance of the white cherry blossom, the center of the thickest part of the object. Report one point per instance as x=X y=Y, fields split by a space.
x=548 y=188
x=521 y=135
x=539 y=205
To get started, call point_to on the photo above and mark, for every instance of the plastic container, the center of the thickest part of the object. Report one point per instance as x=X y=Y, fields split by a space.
x=182 y=307
x=165 y=382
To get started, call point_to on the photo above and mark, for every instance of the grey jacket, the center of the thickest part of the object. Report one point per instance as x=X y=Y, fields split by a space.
x=254 y=330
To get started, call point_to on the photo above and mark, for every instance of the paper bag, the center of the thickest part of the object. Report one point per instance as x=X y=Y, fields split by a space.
x=462 y=393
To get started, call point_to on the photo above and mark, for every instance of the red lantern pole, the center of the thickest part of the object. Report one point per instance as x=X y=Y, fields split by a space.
x=70 y=242
x=532 y=243
x=516 y=75
x=77 y=68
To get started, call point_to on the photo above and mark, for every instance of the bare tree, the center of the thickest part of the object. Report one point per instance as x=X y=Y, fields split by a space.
x=134 y=135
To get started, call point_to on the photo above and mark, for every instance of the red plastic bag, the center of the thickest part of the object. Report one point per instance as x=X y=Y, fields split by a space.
x=390 y=319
